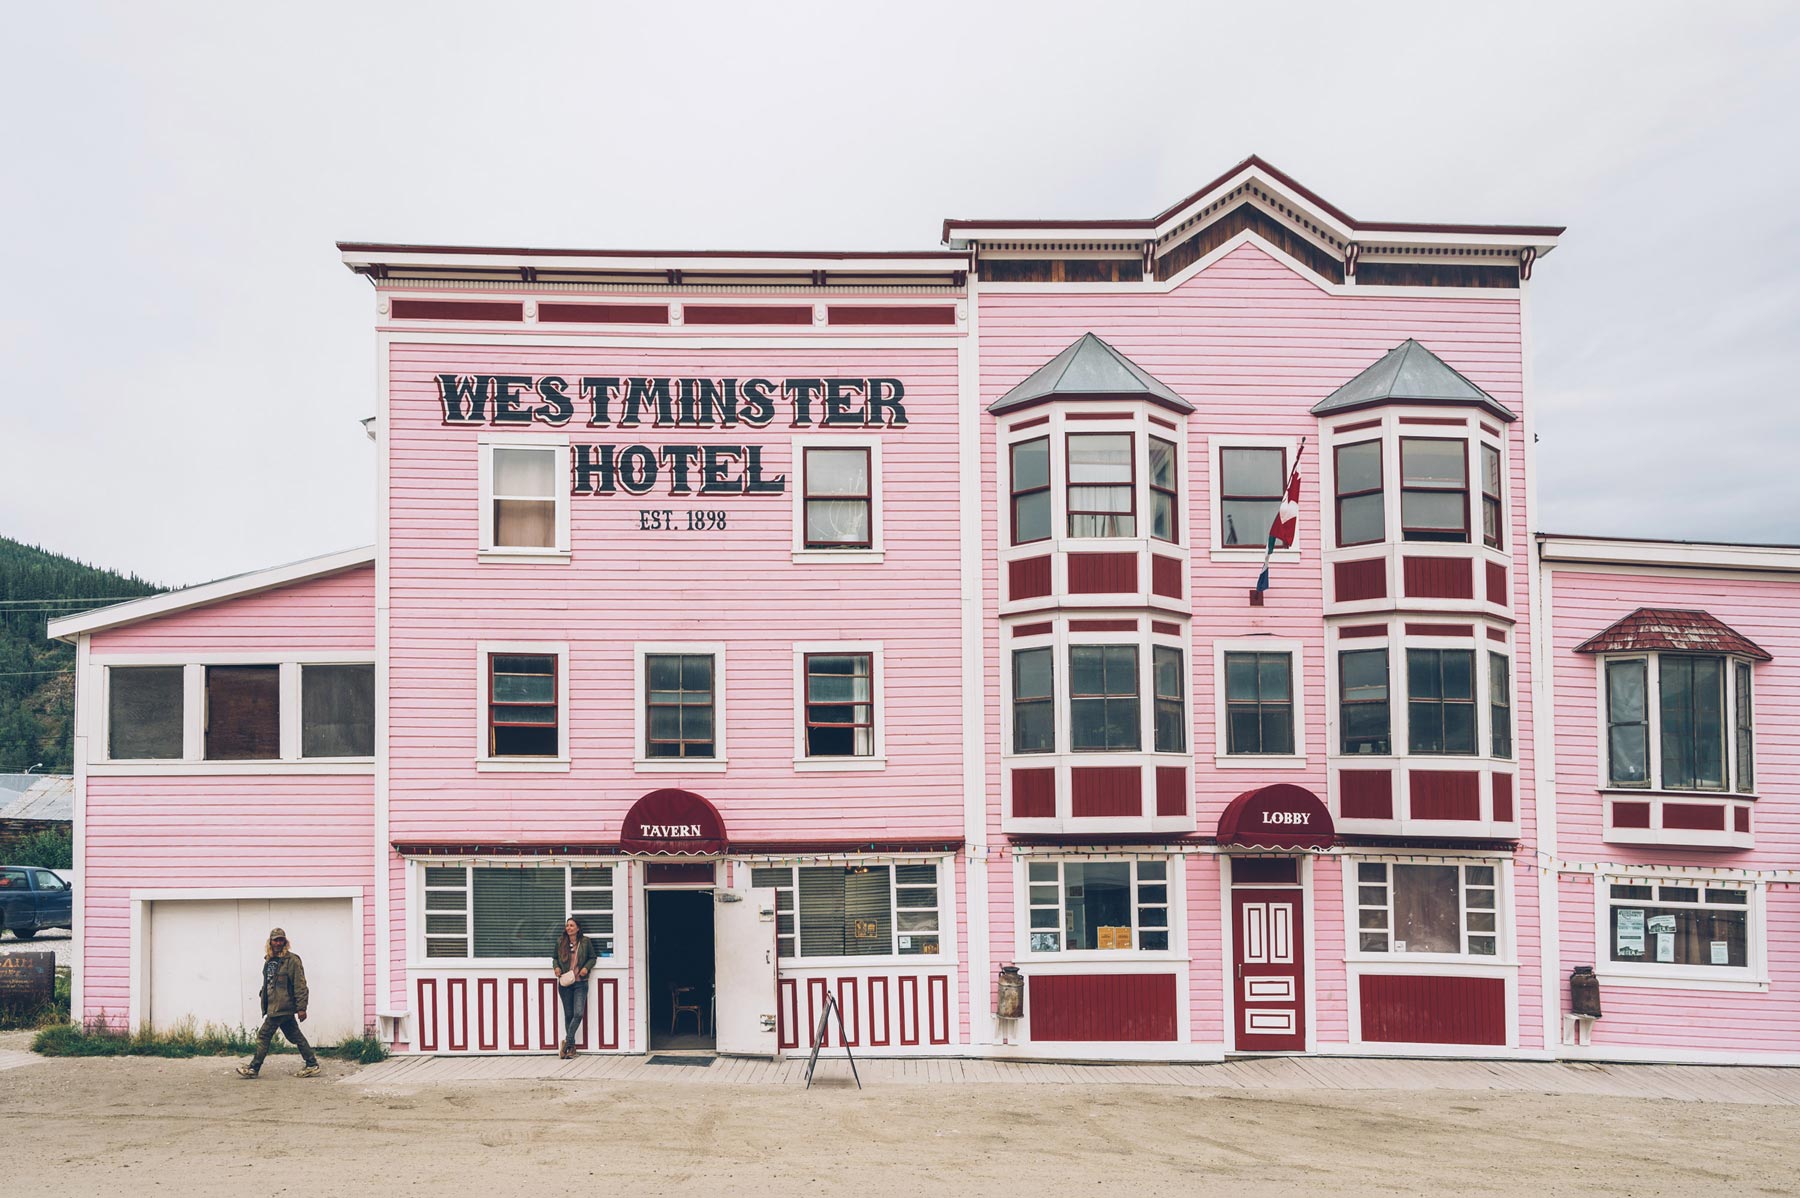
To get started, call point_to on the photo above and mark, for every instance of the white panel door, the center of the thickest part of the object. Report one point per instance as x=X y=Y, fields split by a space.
x=744 y=961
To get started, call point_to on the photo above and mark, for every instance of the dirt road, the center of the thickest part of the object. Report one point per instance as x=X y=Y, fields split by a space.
x=118 y=1126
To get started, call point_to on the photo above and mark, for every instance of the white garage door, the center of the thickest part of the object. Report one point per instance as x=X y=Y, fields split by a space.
x=205 y=960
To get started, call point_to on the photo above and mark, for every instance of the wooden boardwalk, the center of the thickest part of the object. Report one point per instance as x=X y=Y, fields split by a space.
x=1761 y=1086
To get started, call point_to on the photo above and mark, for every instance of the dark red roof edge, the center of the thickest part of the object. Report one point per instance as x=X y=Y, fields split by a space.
x=1279 y=176
x=940 y=844
x=1728 y=639
x=531 y=252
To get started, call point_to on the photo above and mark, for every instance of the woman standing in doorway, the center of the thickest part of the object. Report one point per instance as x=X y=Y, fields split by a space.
x=572 y=961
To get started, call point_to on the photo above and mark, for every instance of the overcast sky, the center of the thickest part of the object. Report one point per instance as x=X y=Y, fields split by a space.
x=186 y=359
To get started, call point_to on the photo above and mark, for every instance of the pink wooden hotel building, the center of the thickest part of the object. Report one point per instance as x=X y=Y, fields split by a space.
x=860 y=624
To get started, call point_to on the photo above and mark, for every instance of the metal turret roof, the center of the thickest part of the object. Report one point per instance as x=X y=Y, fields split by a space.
x=1090 y=369
x=1409 y=373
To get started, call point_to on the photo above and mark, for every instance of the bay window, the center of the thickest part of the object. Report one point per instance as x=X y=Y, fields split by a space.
x=1169 y=677
x=1034 y=704
x=1492 y=487
x=1447 y=909
x=1694 y=710
x=854 y=910
x=1252 y=483
x=1101 y=486
x=1363 y=720
x=1440 y=708
x=1500 y=704
x=1164 y=489
x=1259 y=703
x=1434 y=489
x=1103 y=698
x=1030 y=490
x=1361 y=514
x=1678 y=924
x=1086 y=906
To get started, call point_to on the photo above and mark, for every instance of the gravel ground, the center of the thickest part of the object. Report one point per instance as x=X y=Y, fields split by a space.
x=50 y=940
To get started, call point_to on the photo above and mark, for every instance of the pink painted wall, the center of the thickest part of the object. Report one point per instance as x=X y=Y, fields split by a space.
x=335 y=612
x=1581 y=604
x=1253 y=344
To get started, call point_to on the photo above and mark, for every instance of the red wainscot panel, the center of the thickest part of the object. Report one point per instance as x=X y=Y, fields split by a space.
x=1028 y=578
x=1438 y=577
x=1171 y=790
x=1445 y=794
x=1103 y=573
x=1496 y=584
x=1034 y=794
x=882 y=1010
x=1077 y=1007
x=509 y=1014
x=1408 y=1009
x=1165 y=576
x=1106 y=790
x=1366 y=794
x=1365 y=578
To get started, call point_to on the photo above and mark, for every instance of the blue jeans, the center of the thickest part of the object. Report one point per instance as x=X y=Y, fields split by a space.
x=574 y=1005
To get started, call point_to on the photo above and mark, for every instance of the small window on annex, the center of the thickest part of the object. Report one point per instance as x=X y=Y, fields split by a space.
x=243 y=713
x=1251 y=483
x=337 y=710
x=839 y=498
x=524 y=500
x=1683 y=924
x=1447 y=909
x=1259 y=703
x=1085 y=906
x=144 y=717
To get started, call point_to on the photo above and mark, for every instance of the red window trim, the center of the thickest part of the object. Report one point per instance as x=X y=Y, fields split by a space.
x=555 y=703
x=1224 y=498
x=867 y=498
x=806 y=695
x=1338 y=503
x=1174 y=492
x=1435 y=490
x=1069 y=484
x=1012 y=514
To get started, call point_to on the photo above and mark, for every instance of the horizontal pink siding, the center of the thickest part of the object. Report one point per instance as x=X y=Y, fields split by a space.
x=335 y=612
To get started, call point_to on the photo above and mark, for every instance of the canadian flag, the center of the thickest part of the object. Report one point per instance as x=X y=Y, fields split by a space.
x=1287 y=517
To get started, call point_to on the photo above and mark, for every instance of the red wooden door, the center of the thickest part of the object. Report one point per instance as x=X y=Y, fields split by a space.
x=1269 y=973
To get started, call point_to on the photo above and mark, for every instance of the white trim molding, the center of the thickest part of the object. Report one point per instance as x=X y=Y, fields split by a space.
x=522 y=765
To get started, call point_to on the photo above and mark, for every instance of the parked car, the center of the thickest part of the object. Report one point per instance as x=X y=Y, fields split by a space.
x=32 y=899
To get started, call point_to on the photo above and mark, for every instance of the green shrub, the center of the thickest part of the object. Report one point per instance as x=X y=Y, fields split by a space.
x=366 y=1049
x=186 y=1039
x=50 y=849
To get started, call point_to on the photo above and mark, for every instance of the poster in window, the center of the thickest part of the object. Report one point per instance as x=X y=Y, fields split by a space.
x=1629 y=941
x=1107 y=937
x=1043 y=942
x=1665 y=946
x=1659 y=924
x=905 y=943
x=1721 y=952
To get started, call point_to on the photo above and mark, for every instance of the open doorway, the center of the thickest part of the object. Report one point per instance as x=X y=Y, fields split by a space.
x=681 y=969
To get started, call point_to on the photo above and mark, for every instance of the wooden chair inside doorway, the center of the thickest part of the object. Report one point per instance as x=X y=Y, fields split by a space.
x=683 y=1000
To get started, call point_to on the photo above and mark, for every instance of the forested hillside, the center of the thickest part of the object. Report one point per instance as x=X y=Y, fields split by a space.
x=37 y=680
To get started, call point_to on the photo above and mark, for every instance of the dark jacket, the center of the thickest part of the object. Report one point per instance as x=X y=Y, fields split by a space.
x=584 y=954
x=284 y=993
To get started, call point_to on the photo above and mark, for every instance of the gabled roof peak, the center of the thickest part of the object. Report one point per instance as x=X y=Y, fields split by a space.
x=1409 y=373
x=1090 y=369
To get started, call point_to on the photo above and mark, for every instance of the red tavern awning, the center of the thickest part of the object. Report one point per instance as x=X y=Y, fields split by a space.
x=1282 y=816
x=1672 y=630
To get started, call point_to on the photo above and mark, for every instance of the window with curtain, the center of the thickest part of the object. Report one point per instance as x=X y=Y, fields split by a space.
x=1361 y=518
x=524 y=485
x=523 y=714
x=1682 y=924
x=243 y=713
x=1363 y=722
x=678 y=705
x=1259 y=703
x=1087 y=906
x=1164 y=489
x=1030 y=490
x=1500 y=704
x=1440 y=707
x=1434 y=489
x=1103 y=698
x=1492 y=487
x=1251 y=483
x=1101 y=482
x=1448 y=909
x=337 y=710
x=144 y=712
x=1169 y=674
x=1034 y=705
x=840 y=705
x=839 y=498
x=517 y=911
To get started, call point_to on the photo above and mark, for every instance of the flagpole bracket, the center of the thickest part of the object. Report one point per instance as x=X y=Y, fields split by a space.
x=1256 y=597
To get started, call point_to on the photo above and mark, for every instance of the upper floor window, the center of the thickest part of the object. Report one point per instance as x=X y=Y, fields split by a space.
x=1361 y=516
x=1440 y=701
x=1170 y=678
x=1701 y=722
x=242 y=715
x=1363 y=720
x=1164 y=489
x=1500 y=703
x=1259 y=703
x=1030 y=490
x=1103 y=698
x=1434 y=489
x=839 y=498
x=679 y=705
x=337 y=710
x=144 y=716
x=1252 y=482
x=840 y=704
x=1034 y=722
x=524 y=705
x=1101 y=488
x=524 y=497
x=1492 y=487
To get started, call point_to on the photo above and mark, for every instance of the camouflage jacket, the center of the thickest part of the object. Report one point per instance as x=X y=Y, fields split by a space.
x=284 y=992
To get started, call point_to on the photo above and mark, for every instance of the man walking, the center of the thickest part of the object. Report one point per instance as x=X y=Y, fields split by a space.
x=283 y=1006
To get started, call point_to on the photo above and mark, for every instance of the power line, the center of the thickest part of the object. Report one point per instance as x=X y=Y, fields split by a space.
x=73 y=599
x=23 y=673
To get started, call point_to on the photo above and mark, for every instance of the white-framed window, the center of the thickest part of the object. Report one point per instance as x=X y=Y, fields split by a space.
x=837 y=499
x=1081 y=476
x=1259 y=704
x=1444 y=909
x=1249 y=476
x=1088 y=692
x=1681 y=722
x=311 y=711
x=521 y=706
x=1100 y=905
x=1402 y=688
x=853 y=909
x=1416 y=477
x=679 y=713
x=838 y=707
x=514 y=913
x=524 y=497
x=1697 y=931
